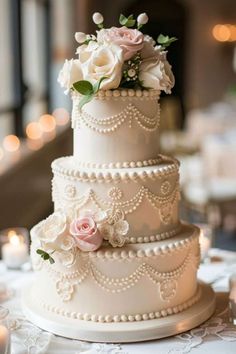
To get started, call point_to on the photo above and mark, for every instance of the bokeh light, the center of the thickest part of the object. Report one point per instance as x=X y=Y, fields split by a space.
x=61 y=115
x=47 y=123
x=224 y=32
x=11 y=143
x=34 y=131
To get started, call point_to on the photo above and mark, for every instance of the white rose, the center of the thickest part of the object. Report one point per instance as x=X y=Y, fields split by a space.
x=104 y=61
x=156 y=73
x=71 y=72
x=48 y=230
x=85 y=51
x=149 y=48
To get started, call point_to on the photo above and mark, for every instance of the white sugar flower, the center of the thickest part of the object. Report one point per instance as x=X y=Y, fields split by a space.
x=67 y=243
x=51 y=228
x=142 y=19
x=66 y=258
x=121 y=227
x=115 y=229
x=107 y=231
x=117 y=240
x=69 y=74
x=98 y=18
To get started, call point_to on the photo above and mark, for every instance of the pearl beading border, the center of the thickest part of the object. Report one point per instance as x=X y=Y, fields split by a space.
x=126 y=317
x=125 y=164
x=111 y=124
x=123 y=93
x=117 y=254
x=114 y=176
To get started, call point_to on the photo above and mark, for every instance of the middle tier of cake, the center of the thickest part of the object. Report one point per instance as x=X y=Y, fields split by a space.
x=146 y=197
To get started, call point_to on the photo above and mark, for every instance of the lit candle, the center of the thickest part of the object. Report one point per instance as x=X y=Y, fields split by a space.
x=14 y=252
x=205 y=240
x=4 y=340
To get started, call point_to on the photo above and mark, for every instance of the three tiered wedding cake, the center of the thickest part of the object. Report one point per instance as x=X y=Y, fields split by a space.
x=114 y=250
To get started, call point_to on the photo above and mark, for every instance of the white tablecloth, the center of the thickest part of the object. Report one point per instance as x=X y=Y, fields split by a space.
x=216 y=336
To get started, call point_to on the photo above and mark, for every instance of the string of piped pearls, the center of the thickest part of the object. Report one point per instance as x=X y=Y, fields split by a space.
x=112 y=123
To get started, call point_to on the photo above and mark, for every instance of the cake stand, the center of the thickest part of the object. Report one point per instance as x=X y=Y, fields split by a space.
x=122 y=332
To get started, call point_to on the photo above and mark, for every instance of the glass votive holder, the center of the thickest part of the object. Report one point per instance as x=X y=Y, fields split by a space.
x=14 y=247
x=205 y=240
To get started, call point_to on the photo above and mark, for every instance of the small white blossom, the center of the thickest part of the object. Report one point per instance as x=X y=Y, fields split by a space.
x=80 y=37
x=142 y=19
x=97 y=18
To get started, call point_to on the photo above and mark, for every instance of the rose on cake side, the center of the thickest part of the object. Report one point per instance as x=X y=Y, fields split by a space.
x=87 y=236
x=118 y=57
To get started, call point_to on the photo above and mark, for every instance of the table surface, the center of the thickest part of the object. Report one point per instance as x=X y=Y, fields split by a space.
x=216 y=336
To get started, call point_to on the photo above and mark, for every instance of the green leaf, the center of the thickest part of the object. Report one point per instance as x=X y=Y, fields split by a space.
x=51 y=260
x=85 y=100
x=45 y=256
x=97 y=85
x=165 y=41
x=122 y=20
x=127 y=21
x=84 y=87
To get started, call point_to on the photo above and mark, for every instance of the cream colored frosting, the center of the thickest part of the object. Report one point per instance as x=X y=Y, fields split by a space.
x=116 y=129
x=102 y=285
x=148 y=197
x=117 y=170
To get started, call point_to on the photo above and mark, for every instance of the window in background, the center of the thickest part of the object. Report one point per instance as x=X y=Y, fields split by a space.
x=24 y=63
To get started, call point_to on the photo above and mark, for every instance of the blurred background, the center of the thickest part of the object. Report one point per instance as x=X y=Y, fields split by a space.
x=198 y=120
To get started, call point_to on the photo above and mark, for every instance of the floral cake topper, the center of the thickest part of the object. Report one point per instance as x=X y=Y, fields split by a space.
x=118 y=57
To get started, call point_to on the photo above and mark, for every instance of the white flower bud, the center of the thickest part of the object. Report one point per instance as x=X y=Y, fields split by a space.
x=80 y=37
x=97 y=18
x=142 y=19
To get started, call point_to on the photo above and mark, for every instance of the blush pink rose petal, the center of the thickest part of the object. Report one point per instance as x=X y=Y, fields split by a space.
x=87 y=236
x=129 y=40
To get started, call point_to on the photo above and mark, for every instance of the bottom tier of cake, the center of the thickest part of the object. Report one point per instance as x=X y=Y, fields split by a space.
x=137 y=282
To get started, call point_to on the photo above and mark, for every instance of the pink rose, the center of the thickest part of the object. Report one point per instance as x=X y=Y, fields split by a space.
x=129 y=40
x=87 y=236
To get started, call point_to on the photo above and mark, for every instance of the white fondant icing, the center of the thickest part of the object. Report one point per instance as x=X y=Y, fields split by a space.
x=117 y=129
x=149 y=196
x=107 y=283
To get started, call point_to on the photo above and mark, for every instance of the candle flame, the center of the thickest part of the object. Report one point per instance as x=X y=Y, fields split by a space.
x=14 y=239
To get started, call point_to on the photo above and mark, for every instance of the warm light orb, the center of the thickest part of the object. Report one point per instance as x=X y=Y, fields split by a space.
x=47 y=123
x=34 y=131
x=224 y=33
x=11 y=143
x=61 y=115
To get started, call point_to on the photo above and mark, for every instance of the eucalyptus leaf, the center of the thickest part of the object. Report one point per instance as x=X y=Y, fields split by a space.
x=84 y=87
x=85 y=100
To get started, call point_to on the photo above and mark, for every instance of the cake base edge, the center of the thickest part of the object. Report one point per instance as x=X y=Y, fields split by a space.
x=122 y=332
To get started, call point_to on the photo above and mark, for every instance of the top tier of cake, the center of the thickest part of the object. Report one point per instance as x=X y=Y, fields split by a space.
x=117 y=129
